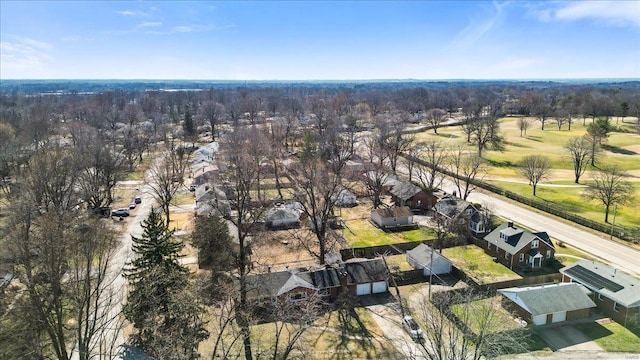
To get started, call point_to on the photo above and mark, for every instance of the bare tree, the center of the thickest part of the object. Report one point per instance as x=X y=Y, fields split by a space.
x=64 y=257
x=466 y=169
x=610 y=187
x=435 y=156
x=434 y=118
x=167 y=177
x=394 y=141
x=485 y=133
x=534 y=168
x=579 y=149
x=480 y=336
x=212 y=112
x=523 y=124
x=377 y=176
x=249 y=211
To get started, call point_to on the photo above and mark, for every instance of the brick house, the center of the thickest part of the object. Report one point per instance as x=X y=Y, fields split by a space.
x=407 y=194
x=517 y=248
x=615 y=293
x=548 y=304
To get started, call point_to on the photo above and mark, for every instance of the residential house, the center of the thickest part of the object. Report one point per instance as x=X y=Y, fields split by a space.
x=288 y=285
x=345 y=198
x=405 y=193
x=355 y=277
x=211 y=198
x=206 y=174
x=517 y=248
x=464 y=212
x=424 y=257
x=615 y=293
x=282 y=217
x=387 y=182
x=392 y=217
x=548 y=304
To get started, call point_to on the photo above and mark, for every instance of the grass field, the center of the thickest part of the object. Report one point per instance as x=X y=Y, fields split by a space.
x=622 y=149
x=501 y=319
x=361 y=233
x=478 y=265
x=613 y=337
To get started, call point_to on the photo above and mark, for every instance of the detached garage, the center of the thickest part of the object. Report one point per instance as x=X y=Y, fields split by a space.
x=367 y=277
x=549 y=304
x=423 y=257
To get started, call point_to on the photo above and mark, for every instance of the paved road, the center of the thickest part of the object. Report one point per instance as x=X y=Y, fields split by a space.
x=613 y=253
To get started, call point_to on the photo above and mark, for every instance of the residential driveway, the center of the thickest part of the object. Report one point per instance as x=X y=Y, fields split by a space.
x=567 y=338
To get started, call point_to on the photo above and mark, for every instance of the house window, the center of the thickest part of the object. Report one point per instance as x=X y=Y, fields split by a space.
x=521 y=259
x=535 y=244
x=488 y=246
x=503 y=236
x=616 y=308
x=324 y=292
x=600 y=297
x=506 y=255
x=299 y=296
x=548 y=254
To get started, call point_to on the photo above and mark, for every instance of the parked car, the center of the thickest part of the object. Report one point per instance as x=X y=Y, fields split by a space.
x=132 y=205
x=412 y=327
x=122 y=212
x=137 y=199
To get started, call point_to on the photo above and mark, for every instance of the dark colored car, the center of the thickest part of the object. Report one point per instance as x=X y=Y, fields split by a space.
x=137 y=199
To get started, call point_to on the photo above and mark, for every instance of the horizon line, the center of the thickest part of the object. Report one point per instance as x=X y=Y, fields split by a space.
x=321 y=80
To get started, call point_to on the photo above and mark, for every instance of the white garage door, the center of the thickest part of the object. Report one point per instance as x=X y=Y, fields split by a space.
x=540 y=319
x=559 y=316
x=379 y=287
x=363 y=289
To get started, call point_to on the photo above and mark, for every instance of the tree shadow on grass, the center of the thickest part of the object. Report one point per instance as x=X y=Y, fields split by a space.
x=619 y=150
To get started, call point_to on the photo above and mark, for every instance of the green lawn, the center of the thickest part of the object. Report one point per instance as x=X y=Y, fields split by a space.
x=185 y=198
x=571 y=200
x=622 y=149
x=501 y=319
x=613 y=337
x=478 y=265
x=361 y=233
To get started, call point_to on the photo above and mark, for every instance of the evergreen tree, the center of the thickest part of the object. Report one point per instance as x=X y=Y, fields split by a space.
x=188 y=125
x=161 y=303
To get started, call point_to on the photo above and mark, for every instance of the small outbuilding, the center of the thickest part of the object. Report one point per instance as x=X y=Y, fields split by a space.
x=424 y=257
x=392 y=217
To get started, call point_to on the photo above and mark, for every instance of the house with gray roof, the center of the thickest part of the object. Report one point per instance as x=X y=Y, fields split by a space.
x=549 y=303
x=405 y=193
x=282 y=217
x=615 y=293
x=517 y=248
x=461 y=211
x=355 y=277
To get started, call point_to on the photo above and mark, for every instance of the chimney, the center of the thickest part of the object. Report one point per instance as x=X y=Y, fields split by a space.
x=510 y=224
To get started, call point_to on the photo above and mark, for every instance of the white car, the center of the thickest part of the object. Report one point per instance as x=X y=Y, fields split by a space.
x=412 y=327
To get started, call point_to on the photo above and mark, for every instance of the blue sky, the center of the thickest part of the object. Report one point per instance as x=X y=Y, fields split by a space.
x=319 y=40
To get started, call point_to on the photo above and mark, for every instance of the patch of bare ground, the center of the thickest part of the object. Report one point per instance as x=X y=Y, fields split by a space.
x=279 y=250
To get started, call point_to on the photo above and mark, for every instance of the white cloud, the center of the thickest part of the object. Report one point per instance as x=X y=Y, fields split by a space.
x=22 y=55
x=476 y=29
x=610 y=13
x=133 y=13
x=149 y=24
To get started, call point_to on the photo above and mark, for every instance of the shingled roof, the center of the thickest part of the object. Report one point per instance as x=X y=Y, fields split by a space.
x=395 y=211
x=516 y=239
x=405 y=190
x=548 y=299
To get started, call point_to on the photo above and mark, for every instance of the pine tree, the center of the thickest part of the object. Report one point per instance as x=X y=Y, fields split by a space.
x=188 y=125
x=161 y=305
